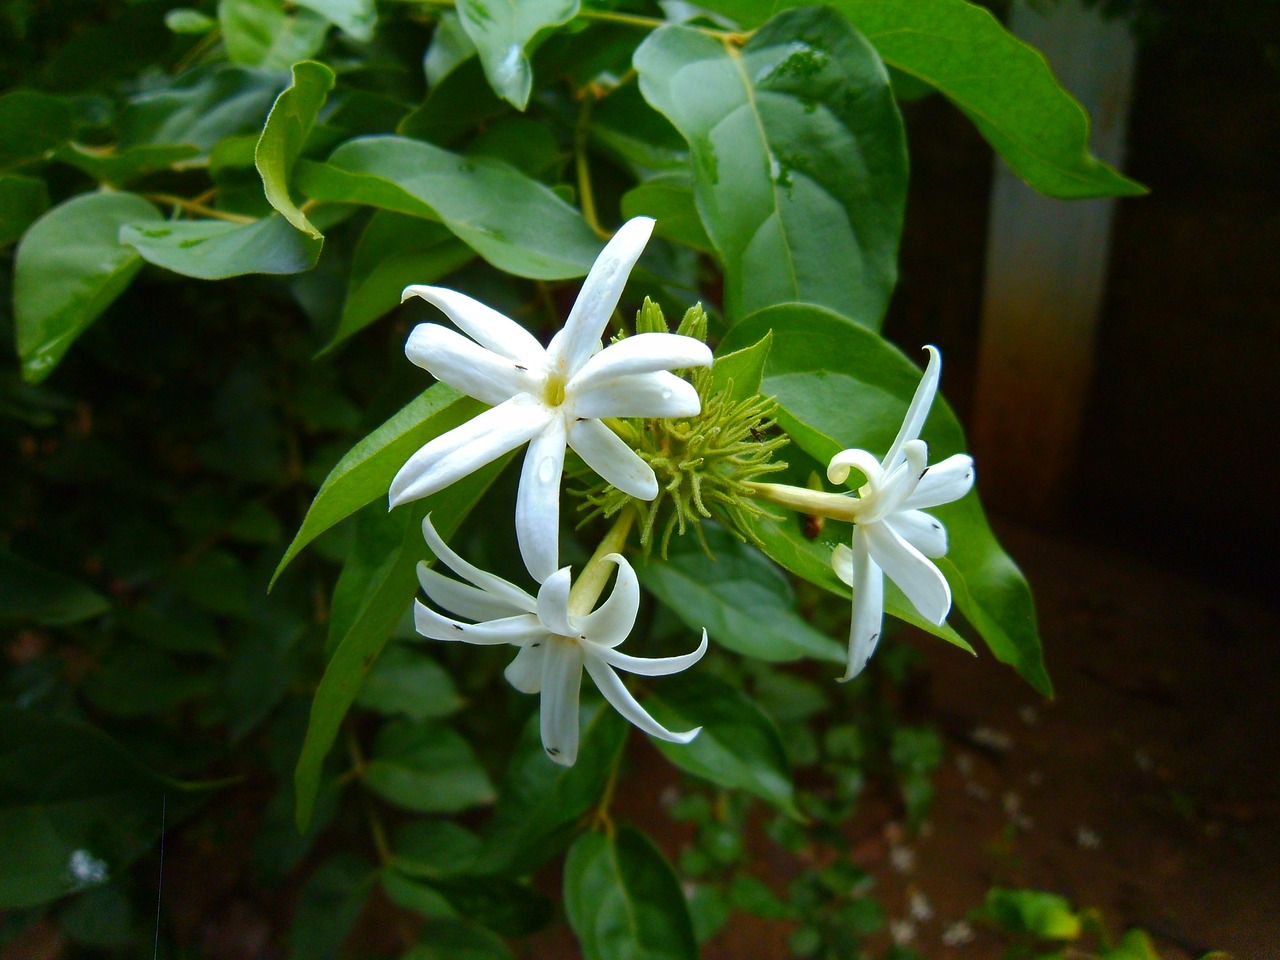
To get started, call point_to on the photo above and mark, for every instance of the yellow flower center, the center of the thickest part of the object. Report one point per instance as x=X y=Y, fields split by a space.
x=554 y=394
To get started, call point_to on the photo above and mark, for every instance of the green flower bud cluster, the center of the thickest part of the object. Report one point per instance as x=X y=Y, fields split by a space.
x=703 y=463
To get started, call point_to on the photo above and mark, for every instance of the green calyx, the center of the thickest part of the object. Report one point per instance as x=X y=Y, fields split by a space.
x=704 y=464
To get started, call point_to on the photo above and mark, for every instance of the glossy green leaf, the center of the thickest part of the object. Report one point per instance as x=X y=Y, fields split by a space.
x=449 y=47
x=75 y=807
x=513 y=221
x=501 y=30
x=638 y=136
x=290 y=121
x=217 y=249
x=70 y=266
x=1034 y=912
x=364 y=473
x=355 y=18
x=408 y=682
x=22 y=201
x=121 y=167
x=31 y=124
x=31 y=592
x=745 y=602
x=742 y=369
x=540 y=802
x=427 y=768
x=624 y=901
x=202 y=107
x=739 y=747
x=1137 y=945
x=395 y=251
x=185 y=20
x=799 y=158
x=668 y=198
x=263 y=33
x=444 y=939
x=839 y=385
x=1003 y=85
x=455 y=106
x=377 y=583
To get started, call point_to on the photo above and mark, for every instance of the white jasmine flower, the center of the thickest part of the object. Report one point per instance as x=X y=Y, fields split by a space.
x=892 y=536
x=552 y=398
x=555 y=645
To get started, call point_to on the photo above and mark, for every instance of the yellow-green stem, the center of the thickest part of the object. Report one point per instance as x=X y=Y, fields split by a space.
x=191 y=206
x=587 y=588
x=585 y=194
x=818 y=503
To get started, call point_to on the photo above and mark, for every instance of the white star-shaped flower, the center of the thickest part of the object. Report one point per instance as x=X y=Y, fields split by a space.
x=892 y=535
x=555 y=645
x=550 y=397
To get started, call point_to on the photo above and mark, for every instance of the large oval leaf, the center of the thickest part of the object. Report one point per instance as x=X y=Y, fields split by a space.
x=217 y=249
x=799 y=158
x=426 y=767
x=1004 y=86
x=839 y=385
x=501 y=30
x=624 y=901
x=513 y=221
x=69 y=268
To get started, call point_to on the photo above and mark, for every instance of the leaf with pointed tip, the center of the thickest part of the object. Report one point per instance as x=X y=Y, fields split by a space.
x=217 y=249
x=426 y=767
x=290 y=120
x=31 y=592
x=501 y=31
x=69 y=268
x=262 y=33
x=355 y=18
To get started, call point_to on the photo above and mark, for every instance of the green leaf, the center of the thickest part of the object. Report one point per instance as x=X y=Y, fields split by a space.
x=70 y=266
x=394 y=251
x=445 y=939
x=355 y=18
x=260 y=33
x=31 y=124
x=431 y=849
x=1003 y=85
x=501 y=30
x=364 y=473
x=412 y=894
x=427 y=768
x=668 y=198
x=744 y=369
x=454 y=107
x=624 y=901
x=745 y=602
x=291 y=119
x=75 y=807
x=408 y=682
x=502 y=905
x=513 y=221
x=540 y=802
x=449 y=47
x=1136 y=945
x=638 y=136
x=22 y=201
x=838 y=385
x=327 y=910
x=1021 y=912
x=202 y=107
x=217 y=249
x=799 y=158
x=376 y=585
x=185 y=20
x=136 y=681
x=120 y=167
x=31 y=592
x=739 y=747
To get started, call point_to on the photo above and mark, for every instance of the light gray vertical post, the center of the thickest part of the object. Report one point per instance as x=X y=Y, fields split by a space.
x=1046 y=270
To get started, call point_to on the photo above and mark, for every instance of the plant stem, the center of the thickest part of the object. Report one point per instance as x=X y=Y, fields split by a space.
x=587 y=588
x=585 y=194
x=192 y=206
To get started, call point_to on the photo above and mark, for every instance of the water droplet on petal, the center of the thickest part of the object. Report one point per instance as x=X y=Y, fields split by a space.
x=547 y=470
x=666 y=393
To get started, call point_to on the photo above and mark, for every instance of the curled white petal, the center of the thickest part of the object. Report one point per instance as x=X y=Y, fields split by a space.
x=503 y=590
x=463 y=599
x=606 y=454
x=864 y=462
x=922 y=582
x=519 y=630
x=918 y=411
x=611 y=622
x=868 y=604
x=486 y=326
x=561 y=683
x=922 y=531
x=659 y=394
x=651 y=666
x=553 y=603
x=538 y=501
x=942 y=483
x=466 y=366
x=643 y=353
x=525 y=671
x=620 y=697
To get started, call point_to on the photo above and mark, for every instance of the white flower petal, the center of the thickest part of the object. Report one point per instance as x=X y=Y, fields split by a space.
x=944 y=482
x=525 y=671
x=900 y=482
x=611 y=622
x=561 y=681
x=643 y=353
x=538 y=501
x=868 y=604
x=462 y=598
x=468 y=367
x=922 y=531
x=842 y=563
x=606 y=453
x=918 y=411
x=483 y=324
x=502 y=590
x=627 y=705
x=649 y=667
x=920 y=580
x=514 y=630
x=553 y=603
x=580 y=338
x=659 y=394
x=468 y=447
x=861 y=460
